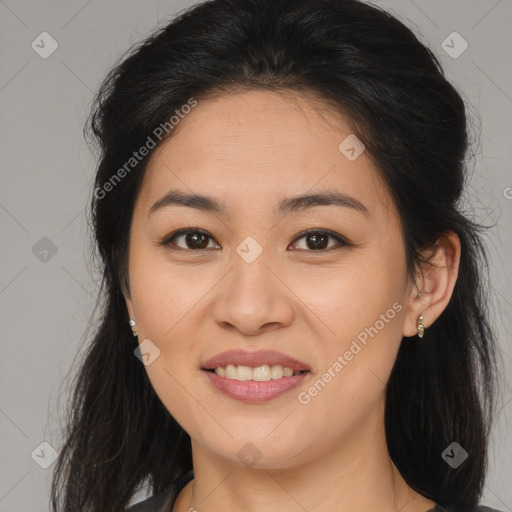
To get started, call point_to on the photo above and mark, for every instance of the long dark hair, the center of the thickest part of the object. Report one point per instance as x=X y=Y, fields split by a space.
x=414 y=124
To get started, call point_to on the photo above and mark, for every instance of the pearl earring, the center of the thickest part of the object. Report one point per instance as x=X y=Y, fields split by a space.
x=133 y=323
x=420 y=326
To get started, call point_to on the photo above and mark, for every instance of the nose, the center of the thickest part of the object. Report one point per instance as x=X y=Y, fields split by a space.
x=253 y=298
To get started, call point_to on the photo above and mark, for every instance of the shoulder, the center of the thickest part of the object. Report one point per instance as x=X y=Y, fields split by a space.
x=164 y=500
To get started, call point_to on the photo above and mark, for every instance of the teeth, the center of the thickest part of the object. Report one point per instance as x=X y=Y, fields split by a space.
x=276 y=372
x=259 y=373
x=244 y=373
x=230 y=372
x=288 y=372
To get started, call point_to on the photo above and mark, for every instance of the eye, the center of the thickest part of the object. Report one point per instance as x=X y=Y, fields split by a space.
x=317 y=240
x=194 y=239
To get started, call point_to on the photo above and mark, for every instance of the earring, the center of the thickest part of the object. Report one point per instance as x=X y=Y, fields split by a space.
x=420 y=326
x=133 y=323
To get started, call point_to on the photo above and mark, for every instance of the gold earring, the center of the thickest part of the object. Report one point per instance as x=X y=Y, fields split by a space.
x=133 y=323
x=420 y=326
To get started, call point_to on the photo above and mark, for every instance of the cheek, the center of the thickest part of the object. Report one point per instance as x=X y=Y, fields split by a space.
x=164 y=301
x=363 y=307
x=346 y=302
x=163 y=294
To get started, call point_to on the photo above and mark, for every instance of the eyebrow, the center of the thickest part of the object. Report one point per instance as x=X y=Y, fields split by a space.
x=290 y=204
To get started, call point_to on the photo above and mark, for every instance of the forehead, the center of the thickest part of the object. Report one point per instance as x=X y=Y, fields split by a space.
x=257 y=147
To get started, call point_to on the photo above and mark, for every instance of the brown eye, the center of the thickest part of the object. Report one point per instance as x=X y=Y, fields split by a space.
x=318 y=240
x=193 y=240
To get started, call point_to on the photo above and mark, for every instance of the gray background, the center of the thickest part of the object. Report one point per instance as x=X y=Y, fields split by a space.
x=46 y=178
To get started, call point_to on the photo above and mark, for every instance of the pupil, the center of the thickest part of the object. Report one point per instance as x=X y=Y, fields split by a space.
x=316 y=244
x=195 y=237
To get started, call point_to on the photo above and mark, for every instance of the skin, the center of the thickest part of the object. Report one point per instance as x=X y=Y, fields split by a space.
x=250 y=150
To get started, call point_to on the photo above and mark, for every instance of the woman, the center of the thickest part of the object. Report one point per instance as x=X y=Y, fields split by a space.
x=294 y=314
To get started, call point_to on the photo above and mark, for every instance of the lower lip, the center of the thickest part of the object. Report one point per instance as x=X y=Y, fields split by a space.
x=254 y=391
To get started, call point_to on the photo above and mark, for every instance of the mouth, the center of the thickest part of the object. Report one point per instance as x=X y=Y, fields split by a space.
x=254 y=376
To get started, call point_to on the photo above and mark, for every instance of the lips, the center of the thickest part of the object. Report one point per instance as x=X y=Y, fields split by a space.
x=258 y=358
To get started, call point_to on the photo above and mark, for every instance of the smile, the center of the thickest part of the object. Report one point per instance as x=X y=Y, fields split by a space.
x=254 y=376
x=262 y=373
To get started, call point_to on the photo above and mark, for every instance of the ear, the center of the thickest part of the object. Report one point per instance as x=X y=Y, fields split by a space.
x=435 y=284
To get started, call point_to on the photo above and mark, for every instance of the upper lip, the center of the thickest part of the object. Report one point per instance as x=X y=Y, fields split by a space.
x=257 y=358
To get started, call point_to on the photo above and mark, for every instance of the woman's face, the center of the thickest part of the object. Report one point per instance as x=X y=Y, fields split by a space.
x=255 y=282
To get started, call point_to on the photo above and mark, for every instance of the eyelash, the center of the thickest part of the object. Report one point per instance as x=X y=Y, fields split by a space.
x=168 y=240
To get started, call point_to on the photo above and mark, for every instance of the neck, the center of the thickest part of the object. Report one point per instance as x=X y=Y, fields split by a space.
x=357 y=475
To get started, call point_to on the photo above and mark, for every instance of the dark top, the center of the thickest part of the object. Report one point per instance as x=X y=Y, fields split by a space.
x=164 y=501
